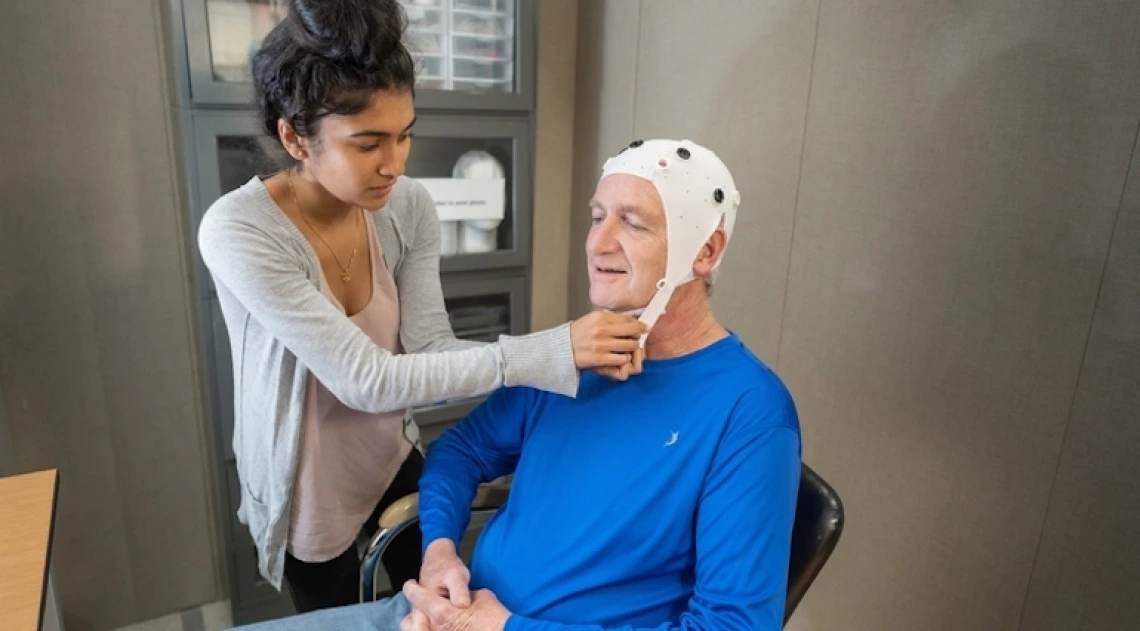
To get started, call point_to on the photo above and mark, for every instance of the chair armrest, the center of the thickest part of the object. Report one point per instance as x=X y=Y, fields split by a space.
x=403 y=514
x=489 y=495
x=400 y=511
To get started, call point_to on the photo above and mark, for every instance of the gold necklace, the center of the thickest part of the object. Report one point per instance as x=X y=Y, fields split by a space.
x=344 y=275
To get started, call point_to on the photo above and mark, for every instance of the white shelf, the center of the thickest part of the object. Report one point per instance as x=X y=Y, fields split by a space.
x=493 y=71
x=481 y=36
x=479 y=80
x=482 y=59
x=483 y=12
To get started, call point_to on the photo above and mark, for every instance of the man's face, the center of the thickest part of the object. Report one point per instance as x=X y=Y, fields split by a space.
x=627 y=243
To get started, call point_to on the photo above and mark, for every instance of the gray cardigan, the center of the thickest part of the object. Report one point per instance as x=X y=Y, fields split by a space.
x=281 y=327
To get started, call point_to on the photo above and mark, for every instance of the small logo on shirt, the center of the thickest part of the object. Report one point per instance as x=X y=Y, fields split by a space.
x=672 y=439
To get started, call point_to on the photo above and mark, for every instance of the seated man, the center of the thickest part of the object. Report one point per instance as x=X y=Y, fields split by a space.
x=664 y=501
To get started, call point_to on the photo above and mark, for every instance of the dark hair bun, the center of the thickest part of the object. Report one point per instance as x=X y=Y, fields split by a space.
x=358 y=32
x=330 y=57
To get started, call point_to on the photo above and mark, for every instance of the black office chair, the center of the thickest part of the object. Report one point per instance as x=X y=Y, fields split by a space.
x=815 y=533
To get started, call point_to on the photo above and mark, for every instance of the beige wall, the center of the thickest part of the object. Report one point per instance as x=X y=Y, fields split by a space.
x=553 y=168
x=603 y=115
x=930 y=192
x=1086 y=576
x=96 y=351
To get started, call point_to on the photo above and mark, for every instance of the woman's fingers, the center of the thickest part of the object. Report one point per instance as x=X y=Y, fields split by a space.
x=617 y=345
x=622 y=372
x=603 y=339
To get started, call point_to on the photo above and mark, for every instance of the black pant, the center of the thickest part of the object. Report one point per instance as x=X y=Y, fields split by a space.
x=337 y=582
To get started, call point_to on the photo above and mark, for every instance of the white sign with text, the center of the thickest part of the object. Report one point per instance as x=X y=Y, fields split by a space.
x=462 y=199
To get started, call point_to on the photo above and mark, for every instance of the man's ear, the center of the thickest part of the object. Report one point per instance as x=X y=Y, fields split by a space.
x=710 y=253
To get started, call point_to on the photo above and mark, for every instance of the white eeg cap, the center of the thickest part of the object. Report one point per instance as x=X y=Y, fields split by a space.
x=698 y=194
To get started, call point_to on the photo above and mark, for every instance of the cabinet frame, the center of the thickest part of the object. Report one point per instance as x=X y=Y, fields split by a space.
x=210 y=126
x=205 y=110
x=206 y=90
x=252 y=598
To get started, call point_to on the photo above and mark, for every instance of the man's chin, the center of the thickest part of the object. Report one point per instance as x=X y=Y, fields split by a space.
x=616 y=306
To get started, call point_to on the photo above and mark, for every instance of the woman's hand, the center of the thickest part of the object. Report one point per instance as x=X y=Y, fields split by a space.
x=621 y=373
x=607 y=342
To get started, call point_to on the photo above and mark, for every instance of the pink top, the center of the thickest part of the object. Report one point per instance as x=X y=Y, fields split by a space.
x=348 y=457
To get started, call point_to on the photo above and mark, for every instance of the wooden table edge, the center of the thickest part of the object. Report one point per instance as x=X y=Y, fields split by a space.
x=48 y=547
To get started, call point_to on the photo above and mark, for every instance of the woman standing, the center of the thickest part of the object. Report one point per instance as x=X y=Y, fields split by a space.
x=328 y=278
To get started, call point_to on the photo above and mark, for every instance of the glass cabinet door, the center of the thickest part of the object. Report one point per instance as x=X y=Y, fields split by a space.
x=464 y=45
x=470 y=54
x=481 y=308
x=229 y=149
x=455 y=157
x=478 y=171
x=253 y=599
x=235 y=28
x=221 y=367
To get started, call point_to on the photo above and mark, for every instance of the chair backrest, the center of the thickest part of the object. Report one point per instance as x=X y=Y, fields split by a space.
x=819 y=522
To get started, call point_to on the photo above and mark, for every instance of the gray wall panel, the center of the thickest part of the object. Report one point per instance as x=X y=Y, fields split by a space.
x=745 y=97
x=962 y=164
x=1086 y=574
x=96 y=355
x=962 y=167
x=603 y=116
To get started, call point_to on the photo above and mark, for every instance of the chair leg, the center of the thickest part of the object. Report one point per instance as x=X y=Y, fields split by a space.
x=370 y=566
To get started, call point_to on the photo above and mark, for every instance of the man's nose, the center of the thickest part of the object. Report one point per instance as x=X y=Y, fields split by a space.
x=602 y=238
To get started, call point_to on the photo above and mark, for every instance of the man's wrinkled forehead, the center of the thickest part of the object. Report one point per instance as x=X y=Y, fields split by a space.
x=696 y=189
x=628 y=195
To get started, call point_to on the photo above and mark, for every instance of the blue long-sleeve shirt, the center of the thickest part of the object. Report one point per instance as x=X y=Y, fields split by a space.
x=665 y=501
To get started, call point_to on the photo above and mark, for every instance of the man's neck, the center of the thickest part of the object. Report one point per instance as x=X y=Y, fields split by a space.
x=687 y=325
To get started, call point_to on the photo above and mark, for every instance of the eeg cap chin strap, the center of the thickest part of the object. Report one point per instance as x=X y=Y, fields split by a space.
x=698 y=194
